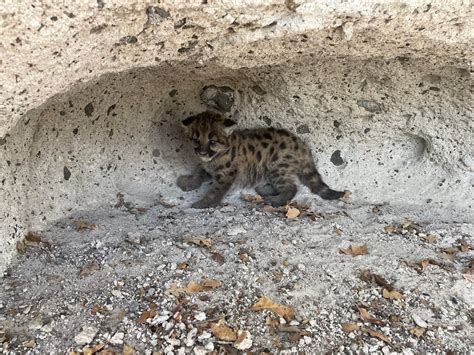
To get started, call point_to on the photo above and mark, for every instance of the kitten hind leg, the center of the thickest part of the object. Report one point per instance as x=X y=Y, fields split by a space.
x=266 y=190
x=286 y=190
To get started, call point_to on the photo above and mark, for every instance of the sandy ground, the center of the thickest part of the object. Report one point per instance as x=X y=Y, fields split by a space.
x=169 y=279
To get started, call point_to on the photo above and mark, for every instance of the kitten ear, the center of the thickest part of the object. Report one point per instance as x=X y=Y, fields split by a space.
x=229 y=126
x=186 y=122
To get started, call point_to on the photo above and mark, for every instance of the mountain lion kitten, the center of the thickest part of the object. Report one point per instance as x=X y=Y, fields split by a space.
x=267 y=157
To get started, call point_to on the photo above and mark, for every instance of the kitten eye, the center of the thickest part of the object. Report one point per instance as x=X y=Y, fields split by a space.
x=212 y=142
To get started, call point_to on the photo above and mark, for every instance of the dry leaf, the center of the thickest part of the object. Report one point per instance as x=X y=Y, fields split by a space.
x=430 y=238
x=355 y=250
x=33 y=237
x=183 y=265
x=270 y=209
x=20 y=246
x=97 y=309
x=29 y=344
x=218 y=258
x=89 y=269
x=292 y=212
x=417 y=331
x=200 y=242
x=143 y=317
x=278 y=275
x=379 y=335
x=193 y=287
x=266 y=303
x=244 y=258
x=128 y=350
x=407 y=223
x=468 y=277
x=81 y=225
x=365 y=316
x=370 y=277
x=223 y=332
x=392 y=295
x=89 y=350
x=393 y=318
x=251 y=198
x=390 y=229
x=450 y=250
x=208 y=283
x=349 y=327
x=272 y=322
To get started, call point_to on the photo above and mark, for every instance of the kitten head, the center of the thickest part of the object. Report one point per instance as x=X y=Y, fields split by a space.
x=209 y=133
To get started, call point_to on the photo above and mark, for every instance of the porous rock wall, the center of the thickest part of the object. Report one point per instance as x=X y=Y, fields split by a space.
x=92 y=95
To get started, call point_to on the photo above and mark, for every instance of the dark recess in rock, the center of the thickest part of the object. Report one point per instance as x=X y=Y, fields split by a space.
x=370 y=105
x=302 y=129
x=75 y=131
x=258 y=90
x=219 y=97
x=367 y=130
x=336 y=158
x=128 y=40
x=266 y=120
x=336 y=123
x=180 y=23
x=112 y=107
x=67 y=173
x=156 y=14
x=89 y=109
x=173 y=92
x=62 y=113
x=100 y=3
x=2 y=141
x=156 y=152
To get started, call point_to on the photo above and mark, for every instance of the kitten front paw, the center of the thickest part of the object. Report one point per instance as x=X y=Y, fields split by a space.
x=203 y=204
x=275 y=201
x=187 y=183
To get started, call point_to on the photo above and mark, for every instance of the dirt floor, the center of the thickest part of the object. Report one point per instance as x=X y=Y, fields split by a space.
x=245 y=277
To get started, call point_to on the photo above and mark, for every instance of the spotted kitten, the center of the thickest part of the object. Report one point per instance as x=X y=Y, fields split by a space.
x=268 y=158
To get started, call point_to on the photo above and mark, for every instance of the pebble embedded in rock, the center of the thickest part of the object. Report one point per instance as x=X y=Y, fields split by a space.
x=336 y=158
x=370 y=105
x=219 y=97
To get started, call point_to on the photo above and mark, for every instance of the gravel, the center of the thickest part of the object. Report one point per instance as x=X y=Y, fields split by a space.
x=121 y=284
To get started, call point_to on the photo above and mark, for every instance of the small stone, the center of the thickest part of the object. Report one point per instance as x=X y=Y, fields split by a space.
x=117 y=339
x=419 y=322
x=244 y=340
x=200 y=316
x=199 y=350
x=191 y=337
x=35 y=324
x=85 y=336
x=117 y=293
x=160 y=319
x=236 y=231
x=301 y=267
x=209 y=346
x=204 y=335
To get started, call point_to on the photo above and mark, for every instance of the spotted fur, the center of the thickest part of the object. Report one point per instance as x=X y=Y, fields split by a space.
x=267 y=158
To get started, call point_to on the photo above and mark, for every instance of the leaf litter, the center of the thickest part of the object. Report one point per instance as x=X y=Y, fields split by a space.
x=232 y=302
